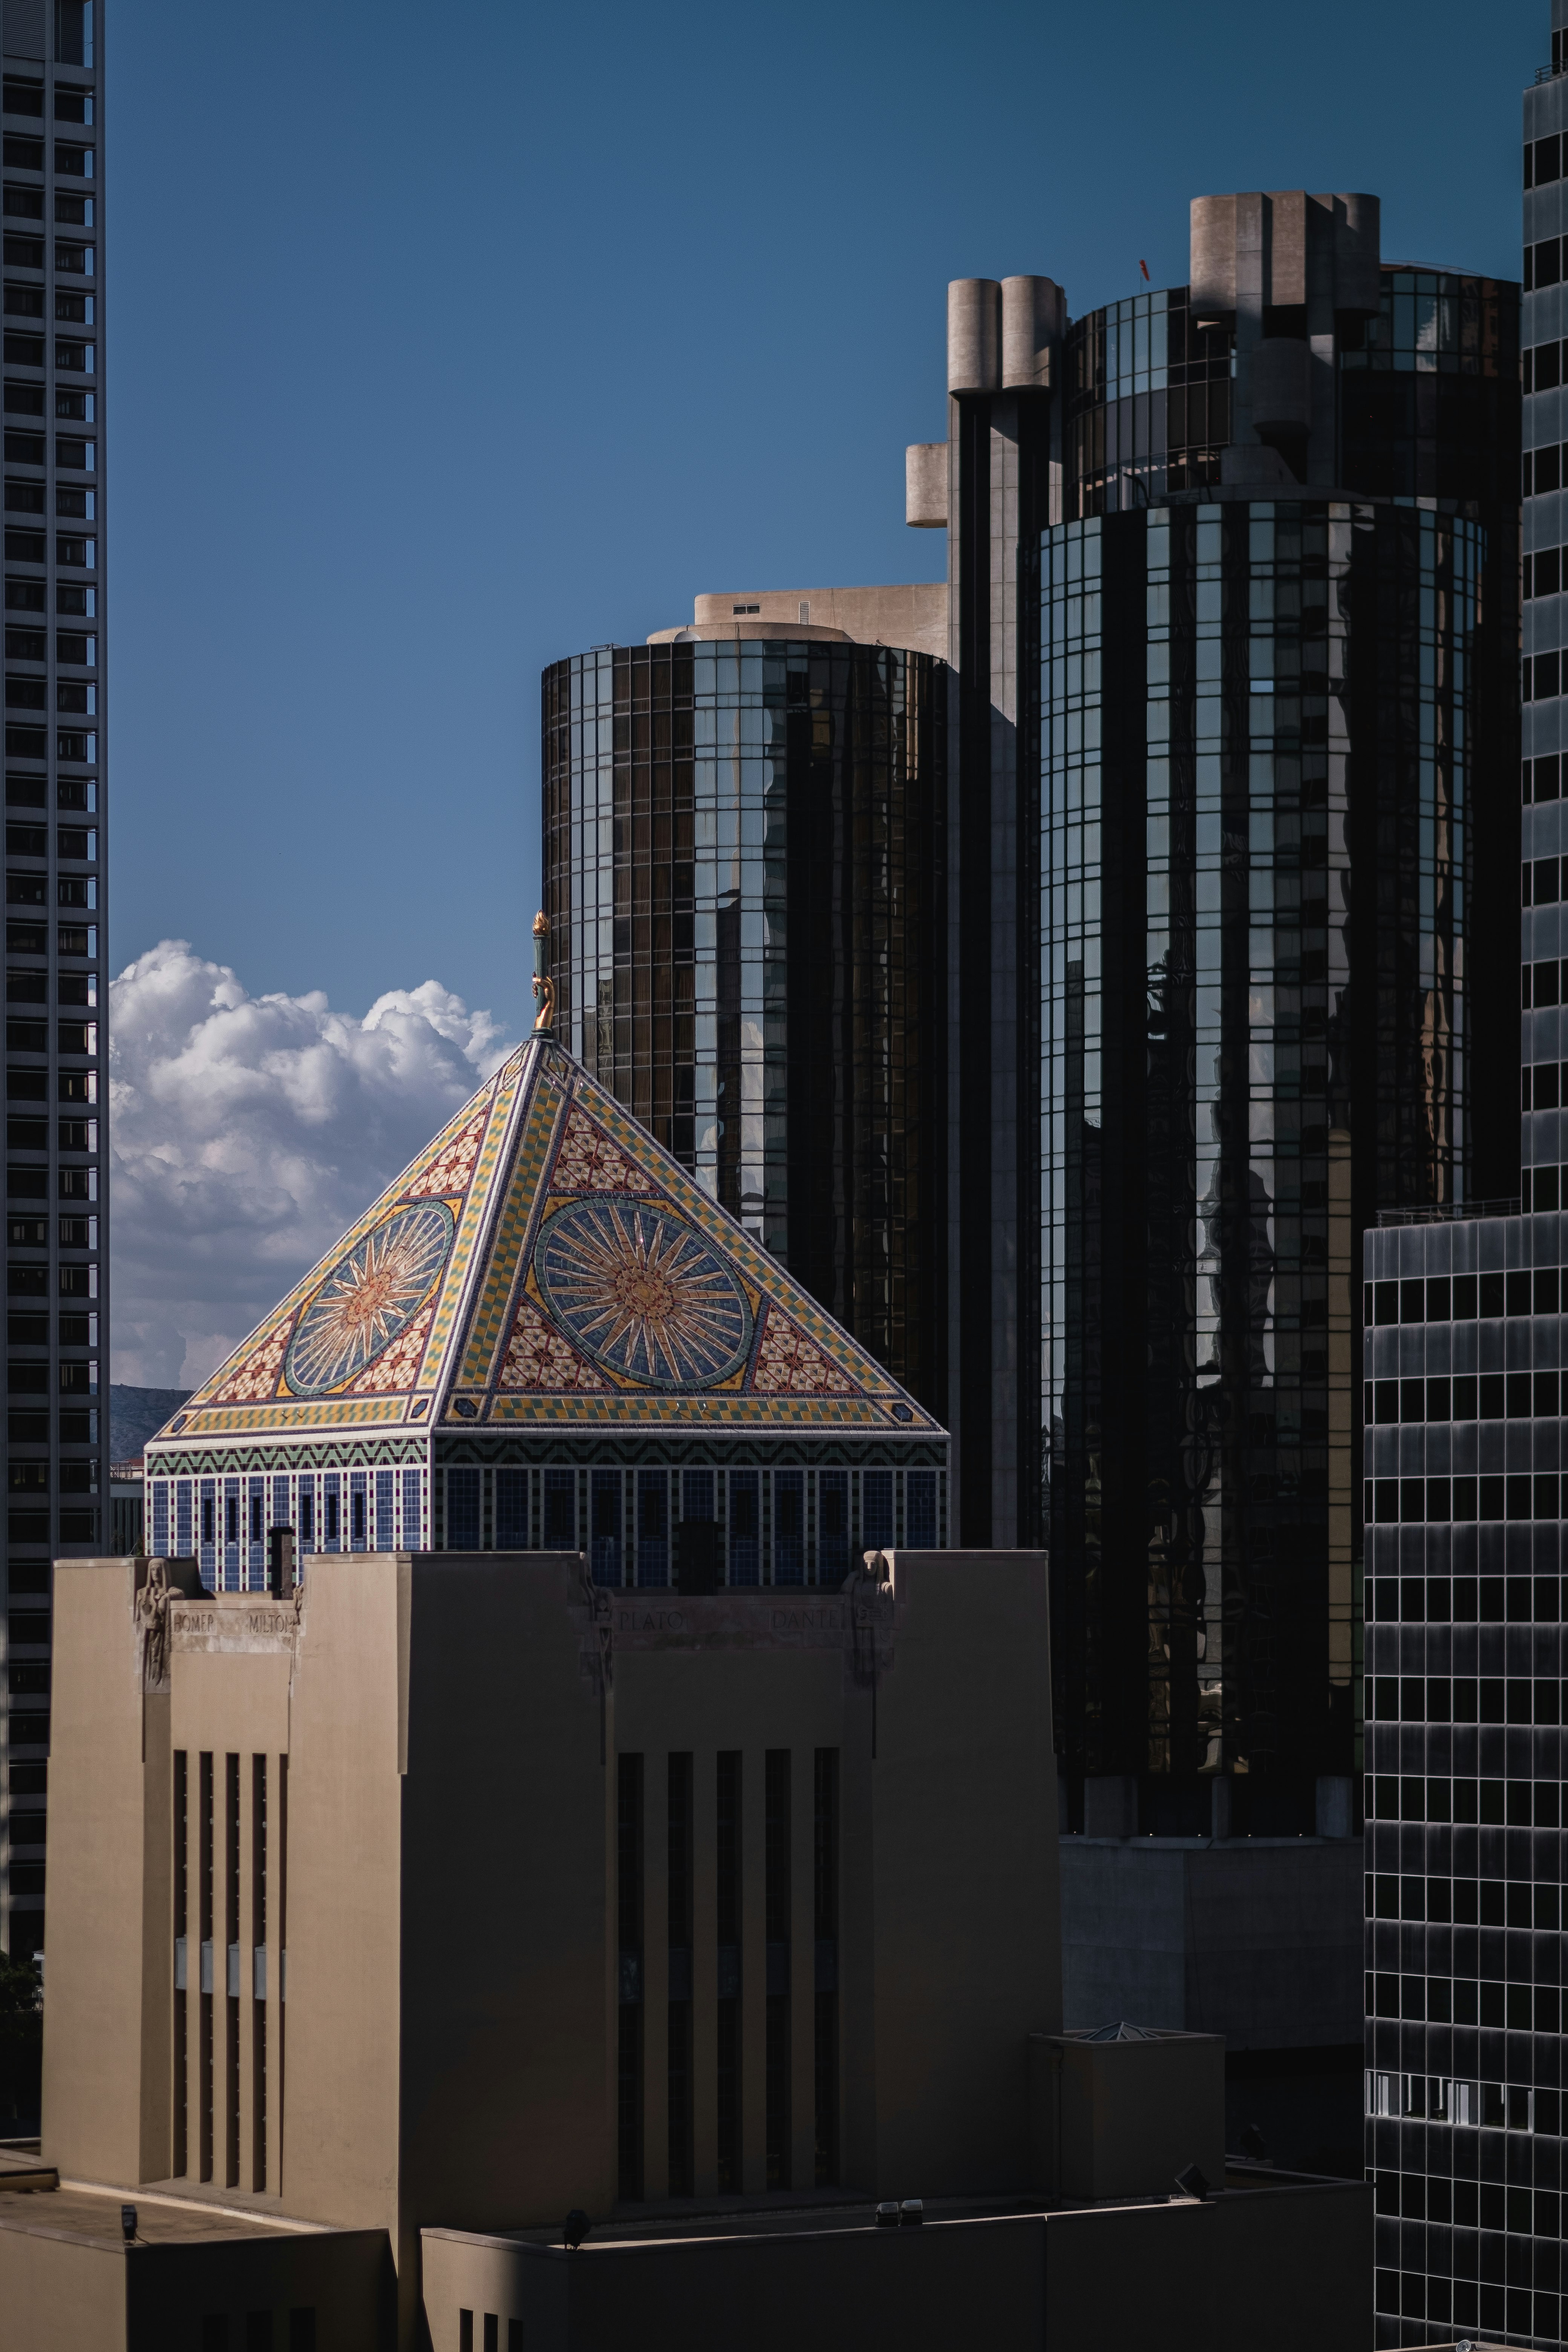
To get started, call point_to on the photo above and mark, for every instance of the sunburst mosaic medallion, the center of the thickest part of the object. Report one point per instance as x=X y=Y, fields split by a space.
x=643 y=1294
x=370 y=1295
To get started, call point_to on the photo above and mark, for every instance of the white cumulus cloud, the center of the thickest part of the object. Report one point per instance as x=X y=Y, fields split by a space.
x=246 y=1132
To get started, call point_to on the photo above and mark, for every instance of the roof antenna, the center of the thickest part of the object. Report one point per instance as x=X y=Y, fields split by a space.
x=543 y=986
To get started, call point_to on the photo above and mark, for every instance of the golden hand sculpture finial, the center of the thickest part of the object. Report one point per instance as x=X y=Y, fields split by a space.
x=543 y=986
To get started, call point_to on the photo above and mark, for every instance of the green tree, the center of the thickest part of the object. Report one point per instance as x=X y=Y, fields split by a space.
x=21 y=2043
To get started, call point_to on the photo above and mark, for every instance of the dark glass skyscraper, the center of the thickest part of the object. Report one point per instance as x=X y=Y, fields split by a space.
x=743 y=875
x=56 y=1437
x=1277 y=760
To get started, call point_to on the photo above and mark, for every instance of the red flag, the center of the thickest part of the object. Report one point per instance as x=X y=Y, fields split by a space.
x=1144 y=268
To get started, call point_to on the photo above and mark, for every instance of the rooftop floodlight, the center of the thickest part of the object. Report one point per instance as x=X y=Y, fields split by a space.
x=911 y=2213
x=574 y=2229
x=887 y=2213
x=1192 y=2183
x=1254 y=2145
x=127 y=2223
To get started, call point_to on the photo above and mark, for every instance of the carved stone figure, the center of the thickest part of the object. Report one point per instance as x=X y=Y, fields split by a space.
x=152 y=1626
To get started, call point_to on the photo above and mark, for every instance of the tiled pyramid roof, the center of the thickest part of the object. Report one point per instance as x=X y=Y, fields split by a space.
x=546 y=1265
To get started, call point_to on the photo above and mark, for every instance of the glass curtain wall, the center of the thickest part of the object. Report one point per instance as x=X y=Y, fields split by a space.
x=1257 y=732
x=743 y=878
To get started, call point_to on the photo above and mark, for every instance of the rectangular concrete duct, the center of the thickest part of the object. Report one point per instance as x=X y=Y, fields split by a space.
x=1273 y=235
x=1282 y=389
x=925 y=484
x=973 y=335
x=1034 y=312
x=1212 y=254
x=1119 y=2112
x=1358 y=252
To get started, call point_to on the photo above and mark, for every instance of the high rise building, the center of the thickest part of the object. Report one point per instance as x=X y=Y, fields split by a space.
x=1465 y=1514
x=1221 y=855
x=56 y=1448
x=1276 y=785
x=1233 y=601
x=743 y=836
x=1233 y=598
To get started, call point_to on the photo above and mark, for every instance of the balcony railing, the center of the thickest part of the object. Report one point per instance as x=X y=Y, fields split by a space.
x=1443 y=1212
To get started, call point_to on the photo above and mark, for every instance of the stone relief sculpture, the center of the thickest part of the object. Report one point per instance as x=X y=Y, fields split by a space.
x=151 y=1611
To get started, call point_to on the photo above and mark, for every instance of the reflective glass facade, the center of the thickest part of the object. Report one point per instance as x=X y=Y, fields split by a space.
x=1427 y=407
x=743 y=878
x=1149 y=403
x=1268 y=835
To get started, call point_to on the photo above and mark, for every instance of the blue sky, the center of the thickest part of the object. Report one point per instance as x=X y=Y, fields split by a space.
x=445 y=342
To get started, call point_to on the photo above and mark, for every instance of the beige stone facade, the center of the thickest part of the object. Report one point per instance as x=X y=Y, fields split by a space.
x=370 y=1906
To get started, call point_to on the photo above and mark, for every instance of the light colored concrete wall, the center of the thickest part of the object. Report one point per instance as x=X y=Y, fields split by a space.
x=57 y=2295
x=230 y=1657
x=344 y=2277
x=911 y=614
x=105 y=2112
x=1257 y=1938
x=839 y=2291
x=507 y=2056
x=156 y=2149
x=1121 y=2119
x=965 y=1921
x=479 y=2274
x=342 y=2042
x=1132 y=2275
x=1286 y=2267
x=446 y=2053
x=722 y=1678
x=1298 y=2267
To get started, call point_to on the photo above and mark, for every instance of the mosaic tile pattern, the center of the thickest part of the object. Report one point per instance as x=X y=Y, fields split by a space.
x=537 y=1357
x=447 y=1318
x=370 y=1297
x=348 y=1413
x=254 y=1371
x=547 y=1244
x=642 y=1295
x=522 y=1203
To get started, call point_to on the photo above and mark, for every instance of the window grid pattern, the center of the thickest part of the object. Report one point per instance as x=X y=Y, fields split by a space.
x=741 y=850
x=1149 y=403
x=1544 y=1140
x=1208 y=675
x=389 y=1518
x=1465 y=1857
x=58 y=1433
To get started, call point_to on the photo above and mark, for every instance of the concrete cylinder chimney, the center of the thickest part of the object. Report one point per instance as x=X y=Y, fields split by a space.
x=925 y=486
x=1032 y=316
x=1211 y=264
x=973 y=335
x=1357 y=253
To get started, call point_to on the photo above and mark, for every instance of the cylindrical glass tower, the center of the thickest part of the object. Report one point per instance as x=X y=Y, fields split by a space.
x=1278 y=835
x=743 y=879
x=1258 y=753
